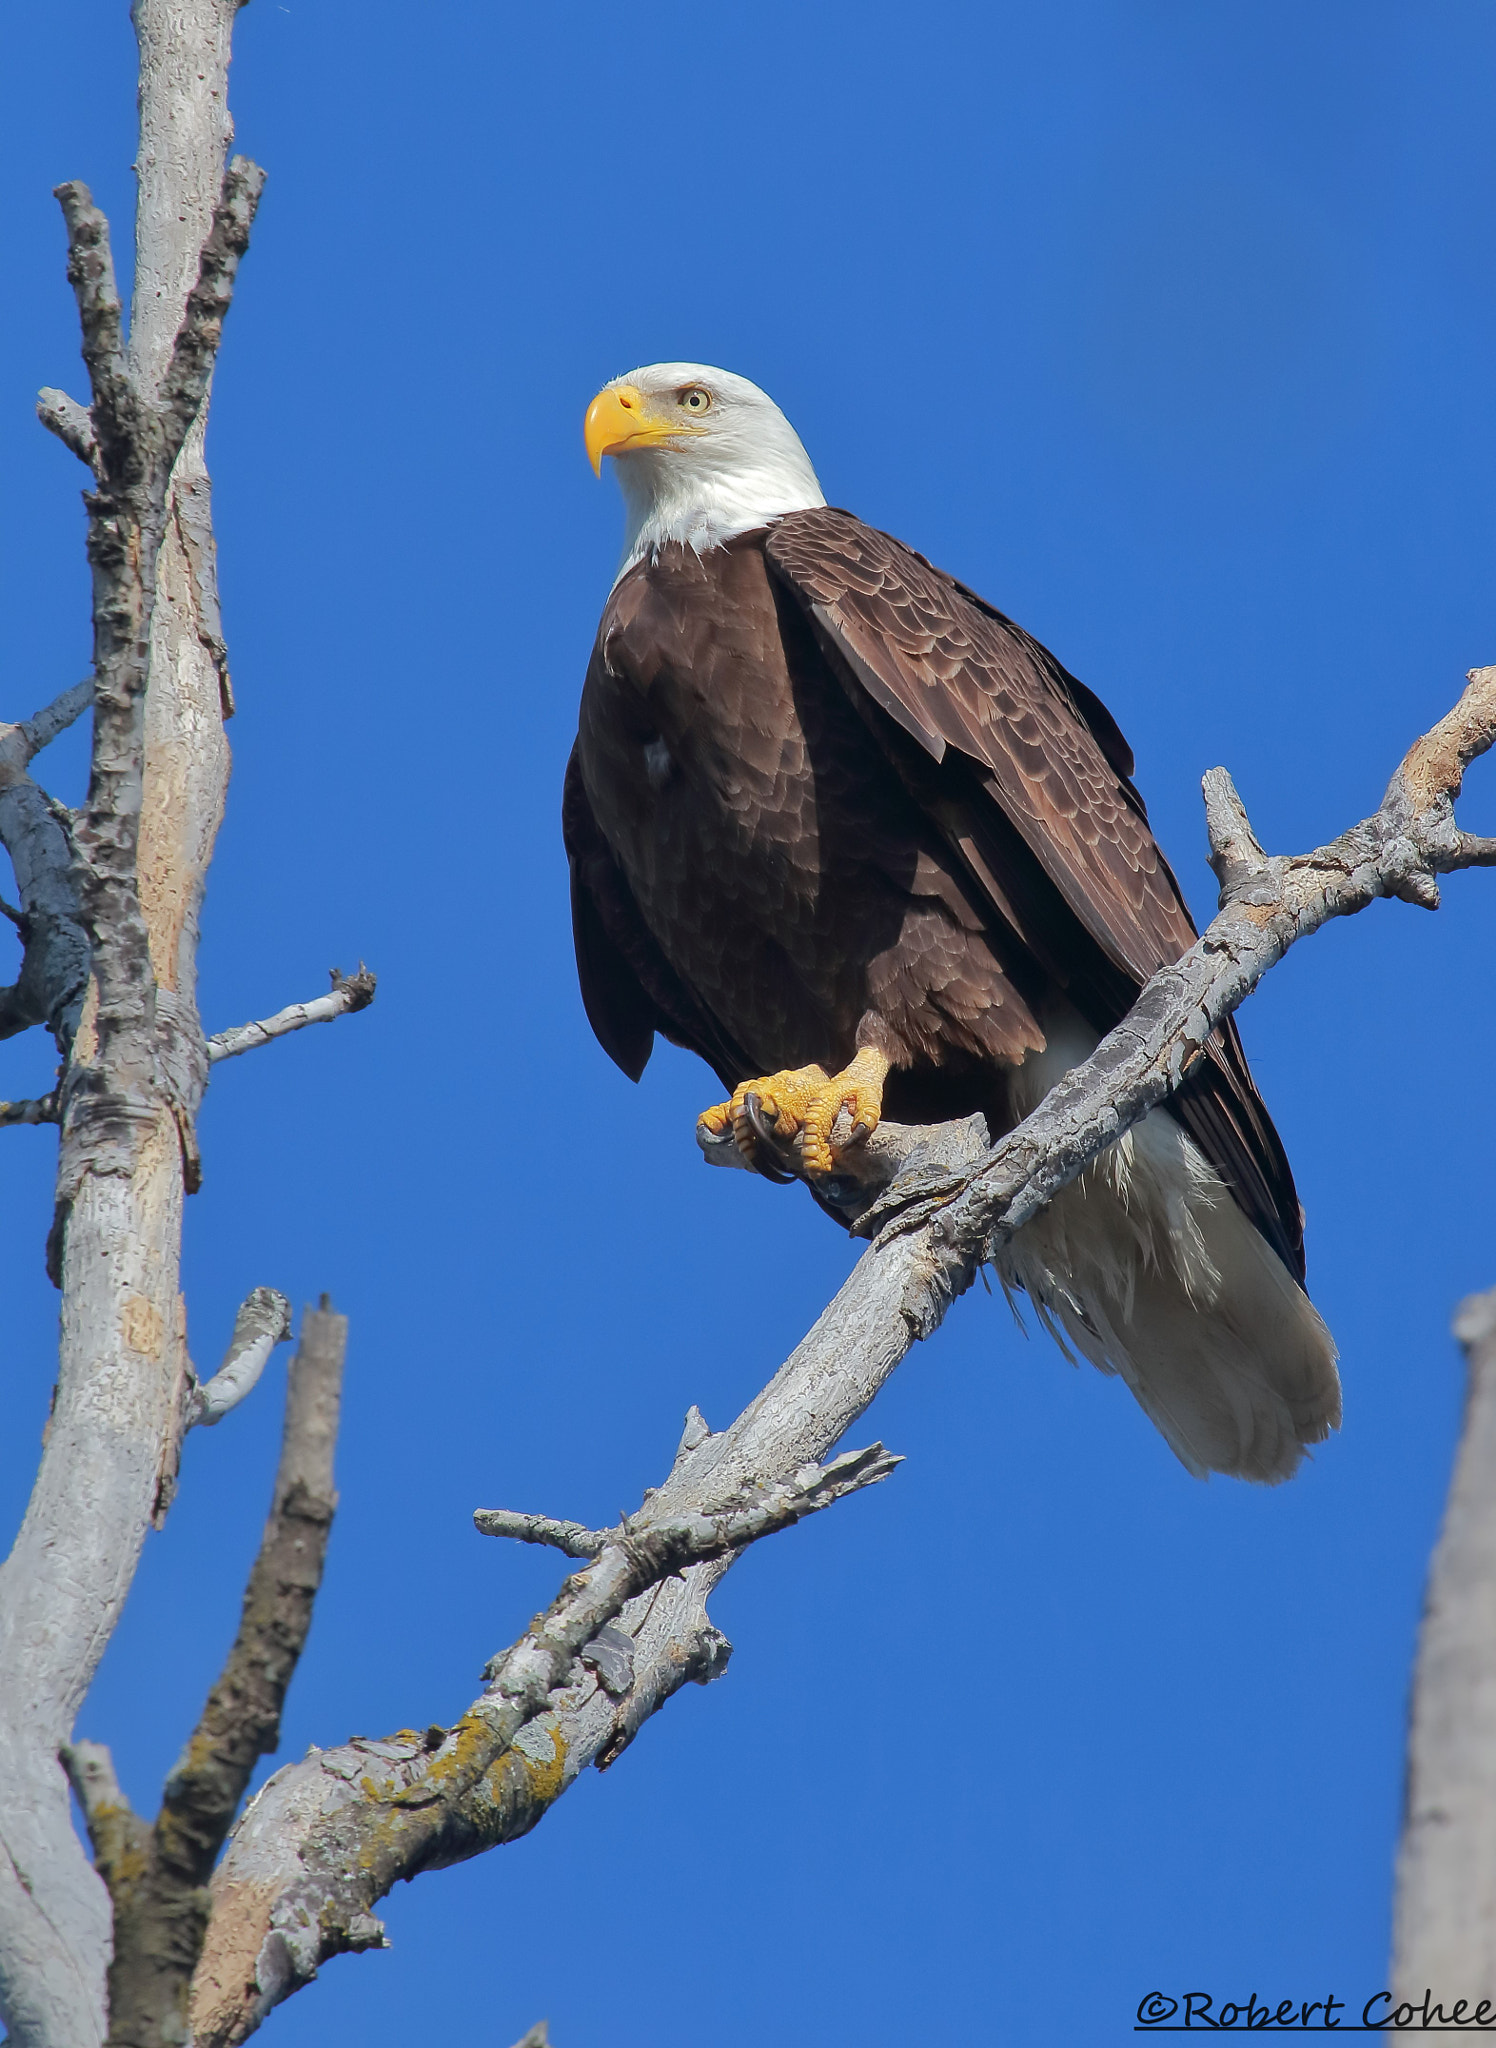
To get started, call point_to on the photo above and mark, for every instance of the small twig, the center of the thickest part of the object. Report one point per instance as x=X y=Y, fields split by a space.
x=39 y=1109
x=1235 y=855
x=26 y=740
x=263 y=1321
x=574 y=1538
x=70 y=422
x=120 y=1838
x=354 y=993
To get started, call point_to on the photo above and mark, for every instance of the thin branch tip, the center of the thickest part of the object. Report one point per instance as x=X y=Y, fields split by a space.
x=575 y=1539
x=263 y=1322
x=1236 y=854
x=1475 y=1321
x=70 y=422
x=348 y=994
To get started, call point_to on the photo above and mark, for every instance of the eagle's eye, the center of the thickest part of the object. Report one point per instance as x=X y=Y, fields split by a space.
x=695 y=400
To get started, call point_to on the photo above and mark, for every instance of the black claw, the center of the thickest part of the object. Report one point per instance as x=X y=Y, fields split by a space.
x=763 y=1130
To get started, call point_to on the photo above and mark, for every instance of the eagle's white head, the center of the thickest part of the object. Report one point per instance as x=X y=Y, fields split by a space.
x=701 y=455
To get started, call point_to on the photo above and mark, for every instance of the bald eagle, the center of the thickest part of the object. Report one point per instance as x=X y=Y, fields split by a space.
x=843 y=829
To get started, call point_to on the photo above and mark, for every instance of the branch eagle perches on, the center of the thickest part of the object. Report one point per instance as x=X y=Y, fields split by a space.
x=328 y=1836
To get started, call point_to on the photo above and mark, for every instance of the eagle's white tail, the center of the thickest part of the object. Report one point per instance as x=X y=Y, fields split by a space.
x=1148 y=1268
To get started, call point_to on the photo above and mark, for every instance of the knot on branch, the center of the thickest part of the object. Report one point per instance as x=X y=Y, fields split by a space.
x=356 y=990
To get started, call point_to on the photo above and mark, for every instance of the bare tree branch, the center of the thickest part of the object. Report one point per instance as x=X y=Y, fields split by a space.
x=195 y=349
x=157 y=1875
x=36 y=833
x=39 y=1109
x=1445 y=1920
x=119 y=438
x=575 y=1539
x=937 y=1203
x=20 y=744
x=263 y=1322
x=354 y=993
x=70 y=422
x=121 y=1839
x=419 y=1801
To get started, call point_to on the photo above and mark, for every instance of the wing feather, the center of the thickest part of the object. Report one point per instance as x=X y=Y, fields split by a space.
x=1048 y=762
x=629 y=989
x=955 y=673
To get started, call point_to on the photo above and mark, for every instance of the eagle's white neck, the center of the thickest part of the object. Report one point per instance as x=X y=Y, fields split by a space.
x=706 y=492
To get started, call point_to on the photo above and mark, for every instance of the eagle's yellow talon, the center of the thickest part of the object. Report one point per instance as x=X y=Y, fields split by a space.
x=715 y=1121
x=858 y=1089
x=805 y=1100
x=782 y=1102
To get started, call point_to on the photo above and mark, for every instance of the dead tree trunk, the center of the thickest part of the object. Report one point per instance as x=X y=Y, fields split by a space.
x=1444 y=1937
x=109 y=910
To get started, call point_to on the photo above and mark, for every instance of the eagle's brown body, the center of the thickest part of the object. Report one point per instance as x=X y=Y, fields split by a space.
x=824 y=798
x=771 y=867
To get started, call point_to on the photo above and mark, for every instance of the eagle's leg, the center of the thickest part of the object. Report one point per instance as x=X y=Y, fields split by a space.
x=781 y=1101
x=858 y=1089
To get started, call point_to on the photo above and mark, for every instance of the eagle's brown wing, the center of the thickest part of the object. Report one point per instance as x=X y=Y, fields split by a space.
x=629 y=989
x=1046 y=762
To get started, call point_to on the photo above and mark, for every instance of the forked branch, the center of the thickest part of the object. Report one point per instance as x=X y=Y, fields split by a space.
x=157 y=1874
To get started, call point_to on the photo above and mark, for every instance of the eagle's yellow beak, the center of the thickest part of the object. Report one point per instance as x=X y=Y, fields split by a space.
x=620 y=418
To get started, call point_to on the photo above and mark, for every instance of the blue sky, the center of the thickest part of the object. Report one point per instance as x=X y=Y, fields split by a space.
x=1169 y=328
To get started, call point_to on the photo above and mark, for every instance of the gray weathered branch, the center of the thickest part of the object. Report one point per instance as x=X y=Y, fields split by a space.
x=263 y=1321
x=157 y=1875
x=422 y=1801
x=1445 y=1922
x=936 y=1202
x=37 y=1109
x=70 y=422
x=36 y=834
x=355 y=992
x=575 y=1539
